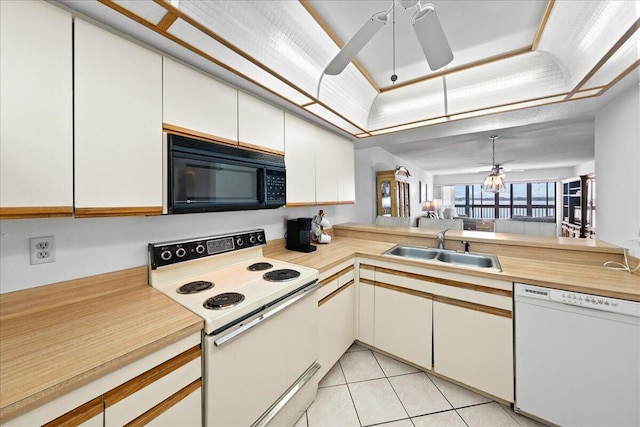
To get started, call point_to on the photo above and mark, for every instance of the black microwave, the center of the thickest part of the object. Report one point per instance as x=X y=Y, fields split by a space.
x=209 y=177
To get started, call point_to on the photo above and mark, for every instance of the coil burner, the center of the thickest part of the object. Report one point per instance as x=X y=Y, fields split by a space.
x=260 y=266
x=281 y=275
x=195 y=287
x=222 y=301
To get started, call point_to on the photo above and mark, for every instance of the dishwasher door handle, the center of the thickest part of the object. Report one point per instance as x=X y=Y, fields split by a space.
x=270 y=313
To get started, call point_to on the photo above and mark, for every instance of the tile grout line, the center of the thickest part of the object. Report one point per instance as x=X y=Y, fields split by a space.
x=350 y=395
x=392 y=388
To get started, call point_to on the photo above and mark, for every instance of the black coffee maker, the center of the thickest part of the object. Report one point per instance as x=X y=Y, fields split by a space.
x=299 y=235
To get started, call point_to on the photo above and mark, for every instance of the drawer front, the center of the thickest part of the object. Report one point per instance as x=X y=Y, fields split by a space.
x=329 y=285
x=139 y=395
x=187 y=412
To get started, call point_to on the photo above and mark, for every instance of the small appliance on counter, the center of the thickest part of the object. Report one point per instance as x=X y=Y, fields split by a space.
x=299 y=235
x=318 y=224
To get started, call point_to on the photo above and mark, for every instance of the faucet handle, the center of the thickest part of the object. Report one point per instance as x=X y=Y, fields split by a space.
x=466 y=246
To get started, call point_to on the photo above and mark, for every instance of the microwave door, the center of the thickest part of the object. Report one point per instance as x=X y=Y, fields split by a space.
x=202 y=184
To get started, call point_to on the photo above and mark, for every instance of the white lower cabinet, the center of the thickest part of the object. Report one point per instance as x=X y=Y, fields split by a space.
x=336 y=331
x=464 y=321
x=162 y=388
x=403 y=325
x=474 y=347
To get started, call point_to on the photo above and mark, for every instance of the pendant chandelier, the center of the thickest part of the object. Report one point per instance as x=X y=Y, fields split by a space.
x=494 y=182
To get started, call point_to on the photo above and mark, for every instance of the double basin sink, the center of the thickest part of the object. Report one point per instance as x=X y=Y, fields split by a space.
x=443 y=256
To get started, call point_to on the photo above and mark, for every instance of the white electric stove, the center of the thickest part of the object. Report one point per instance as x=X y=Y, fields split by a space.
x=260 y=335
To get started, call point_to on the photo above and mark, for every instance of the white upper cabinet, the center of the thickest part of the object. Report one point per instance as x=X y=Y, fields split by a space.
x=300 y=161
x=118 y=125
x=198 y=104
x=319 y=165
x=260 y=125
x=326 y=145
x=36 y=139
x=346 y=172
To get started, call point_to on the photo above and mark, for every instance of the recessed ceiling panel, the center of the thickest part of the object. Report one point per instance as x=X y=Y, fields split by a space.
x=206 y=44
x=408 y=104
x=475 y=30
x=620 y=61
x=528 y=76
x=279 y=34
x=580 y=33
x=322 y=112
x=147 y=10
x=350 y=94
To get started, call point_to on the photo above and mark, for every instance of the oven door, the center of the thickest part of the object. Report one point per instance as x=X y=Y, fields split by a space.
x=249 y=369
x=200 y=183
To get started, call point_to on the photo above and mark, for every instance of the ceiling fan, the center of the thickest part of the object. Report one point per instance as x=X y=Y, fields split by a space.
x=426 y=26
x=494 y=182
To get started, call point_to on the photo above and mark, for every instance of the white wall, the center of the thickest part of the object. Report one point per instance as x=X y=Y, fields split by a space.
x=585 y=168
x=90 y=246
x=368 y=162
x=617 y=152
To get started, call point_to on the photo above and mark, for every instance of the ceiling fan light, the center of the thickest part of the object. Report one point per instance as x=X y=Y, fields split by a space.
x=431 y=37
x=493 y=183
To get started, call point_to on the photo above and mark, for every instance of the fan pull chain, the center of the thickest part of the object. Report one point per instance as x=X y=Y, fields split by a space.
x=394 y=77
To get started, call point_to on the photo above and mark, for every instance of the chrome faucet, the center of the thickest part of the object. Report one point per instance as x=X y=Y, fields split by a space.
x=441 y=238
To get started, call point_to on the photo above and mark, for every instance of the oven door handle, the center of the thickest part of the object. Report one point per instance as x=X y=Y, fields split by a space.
x=247 y=326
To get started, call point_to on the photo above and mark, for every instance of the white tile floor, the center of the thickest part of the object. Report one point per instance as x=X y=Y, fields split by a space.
x=366 y=388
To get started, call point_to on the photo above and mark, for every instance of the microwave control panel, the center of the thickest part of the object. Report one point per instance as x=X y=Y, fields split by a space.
x=167 y=253
x=276 y=186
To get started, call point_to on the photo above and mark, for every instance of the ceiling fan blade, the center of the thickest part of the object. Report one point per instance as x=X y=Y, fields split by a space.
x=432 y=39
x=357 y=42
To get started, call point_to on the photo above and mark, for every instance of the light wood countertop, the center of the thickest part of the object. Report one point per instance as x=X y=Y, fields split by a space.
x=58 y=337
x=560 y=275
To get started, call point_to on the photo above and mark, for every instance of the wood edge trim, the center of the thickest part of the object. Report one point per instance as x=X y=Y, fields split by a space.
x=367 y=267
x=329 y=279
x=617 y=45
x=36 y=212
x=404 y=290
x=346 y=202
x=619 y=77
x=202 y=136
x=299 y=204
x=163 y=406
x=167 y=21
x=449 y=282
x=261 y=149
x=473 y=306
x=141 y=381
x=542 y=25
x=80 y=414
x=346 y=270
x=368 y=281
x=109 y=211
x=334 y=293
x=334 y=37
x=463 y=67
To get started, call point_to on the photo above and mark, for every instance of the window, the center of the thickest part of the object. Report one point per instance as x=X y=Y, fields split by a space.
x=531 y=199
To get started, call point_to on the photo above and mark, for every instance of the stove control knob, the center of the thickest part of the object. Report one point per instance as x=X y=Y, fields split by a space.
x=166 y=255
x=180 y=252
x=239 y=241
x=200 y=248
x=260 y=237
x=252 y=239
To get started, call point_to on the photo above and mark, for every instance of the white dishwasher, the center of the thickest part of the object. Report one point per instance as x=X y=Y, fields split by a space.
x=577 y=357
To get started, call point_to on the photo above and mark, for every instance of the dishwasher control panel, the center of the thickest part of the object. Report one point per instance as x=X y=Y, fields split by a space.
x=612 y=305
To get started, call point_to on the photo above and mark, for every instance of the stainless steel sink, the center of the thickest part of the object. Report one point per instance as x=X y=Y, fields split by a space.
x=412 y=252
x=437 y=256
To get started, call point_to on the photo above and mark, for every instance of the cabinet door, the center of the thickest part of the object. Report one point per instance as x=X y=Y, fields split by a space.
x=366 y=306
x=346 y=172
x=198 y=104
x=300 y=161
x=403 y=325
x=326 y=145
x=36 y=142
x=118 y=125
x=475 y=348
x=186 y=413
x=260 y=125
x=335 y=327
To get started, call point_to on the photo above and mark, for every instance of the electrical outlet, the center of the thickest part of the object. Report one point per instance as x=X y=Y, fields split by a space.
x=42 y=249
